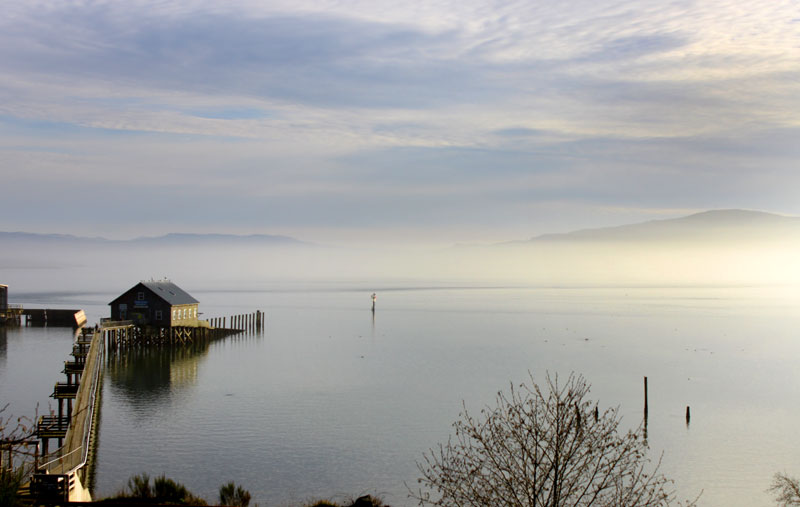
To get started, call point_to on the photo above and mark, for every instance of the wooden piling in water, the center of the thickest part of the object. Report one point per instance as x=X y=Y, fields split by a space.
x=645 y=397
x=252 y=322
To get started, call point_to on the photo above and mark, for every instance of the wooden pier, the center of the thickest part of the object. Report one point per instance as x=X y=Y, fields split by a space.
x=64 y=474
x=249 y=322
x=60 y=476
x=125 y=334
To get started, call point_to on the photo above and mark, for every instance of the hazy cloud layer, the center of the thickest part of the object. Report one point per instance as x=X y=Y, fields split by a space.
x=462 y=120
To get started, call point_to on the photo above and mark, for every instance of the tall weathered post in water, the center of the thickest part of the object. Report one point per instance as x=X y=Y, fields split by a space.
x=645 y=397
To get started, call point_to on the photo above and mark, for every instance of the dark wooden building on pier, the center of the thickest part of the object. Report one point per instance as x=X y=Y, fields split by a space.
x=3 y=303
x=9 y=314
x=158 y=303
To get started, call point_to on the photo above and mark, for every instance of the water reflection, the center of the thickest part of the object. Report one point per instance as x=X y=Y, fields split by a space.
x=140 y=374
x=316 y=402
x=3 y=346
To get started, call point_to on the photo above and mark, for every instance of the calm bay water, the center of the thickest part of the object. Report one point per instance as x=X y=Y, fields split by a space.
x=329 y=402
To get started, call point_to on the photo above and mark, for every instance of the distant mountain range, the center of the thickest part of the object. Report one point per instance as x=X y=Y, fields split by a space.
x=713 y=248
x=176 y=238
x=171 y=239
x=715 y=225
x=708 y=226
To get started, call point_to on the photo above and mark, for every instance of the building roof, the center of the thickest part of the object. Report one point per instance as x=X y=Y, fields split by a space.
x=167 y=291
x=170 y=292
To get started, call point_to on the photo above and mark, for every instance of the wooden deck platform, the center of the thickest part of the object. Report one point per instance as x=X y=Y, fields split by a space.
x=73 y=367
x=52 y=427
x=64 y=391
x=54 y=317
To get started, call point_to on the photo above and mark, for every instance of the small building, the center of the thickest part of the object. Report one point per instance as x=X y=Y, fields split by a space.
x=3 y=299
x=9 y=313
x=158 y=303
x=3 y=304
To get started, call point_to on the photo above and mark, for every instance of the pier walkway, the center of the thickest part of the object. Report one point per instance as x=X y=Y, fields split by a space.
x=61 y=475
x=64 y=475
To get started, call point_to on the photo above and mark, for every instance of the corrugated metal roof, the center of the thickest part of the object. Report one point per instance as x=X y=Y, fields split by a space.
x=170 y=292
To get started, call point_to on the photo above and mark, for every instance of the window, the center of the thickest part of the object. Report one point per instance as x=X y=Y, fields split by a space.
x=158 y=315
x=174 y=314
x=140 y=296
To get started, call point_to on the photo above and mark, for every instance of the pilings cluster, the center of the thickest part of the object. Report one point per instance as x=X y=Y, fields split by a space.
x=125 y=334
x=688 y=411
x=251 y=322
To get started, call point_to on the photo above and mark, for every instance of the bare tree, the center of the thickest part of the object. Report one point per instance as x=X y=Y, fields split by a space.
x=17 y=440
x=786 y=490
x=548 y=448
x=17 y=455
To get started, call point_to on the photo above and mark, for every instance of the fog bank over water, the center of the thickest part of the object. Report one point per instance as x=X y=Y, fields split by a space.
x=714 y=248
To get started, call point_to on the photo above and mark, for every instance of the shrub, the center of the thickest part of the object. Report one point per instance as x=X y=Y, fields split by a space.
x=10 y=482
x=139 y=487
x=168 y=491
x=231 y=494
x=163 y=491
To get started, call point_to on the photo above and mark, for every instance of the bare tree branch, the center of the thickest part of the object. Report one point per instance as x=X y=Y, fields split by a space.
x=786 y=490
x=542 y=448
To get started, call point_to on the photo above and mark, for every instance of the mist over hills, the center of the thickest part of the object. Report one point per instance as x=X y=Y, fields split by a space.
x=176 y=238
x=170 y=239
x=730 y=224
x=721 y=247
x=715 y=225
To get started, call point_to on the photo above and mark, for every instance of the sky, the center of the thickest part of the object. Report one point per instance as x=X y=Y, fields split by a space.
x=376 y=121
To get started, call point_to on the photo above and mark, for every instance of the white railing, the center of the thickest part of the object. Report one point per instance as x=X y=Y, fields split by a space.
x=65 y=464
